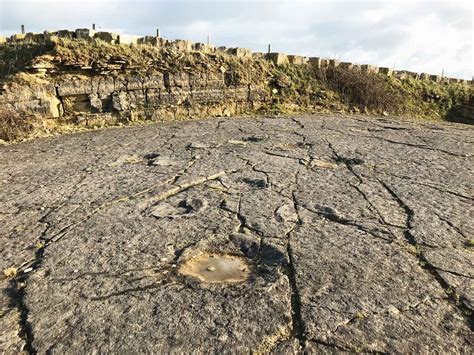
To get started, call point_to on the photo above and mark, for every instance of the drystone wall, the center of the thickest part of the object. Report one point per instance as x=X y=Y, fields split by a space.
x=82 y=92
x=184 y=45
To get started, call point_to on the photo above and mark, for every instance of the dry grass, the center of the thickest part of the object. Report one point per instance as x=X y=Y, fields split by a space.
x=362 y=90
x=14 y=126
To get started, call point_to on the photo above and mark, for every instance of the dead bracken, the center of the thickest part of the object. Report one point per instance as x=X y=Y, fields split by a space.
x=216 y=268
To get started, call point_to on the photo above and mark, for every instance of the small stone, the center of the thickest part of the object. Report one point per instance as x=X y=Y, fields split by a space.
x=197 y=145
x=211 y=268
x=27 y=270
x=10 y=272
x=393 y=310
x=163 y=260
x=236 y=142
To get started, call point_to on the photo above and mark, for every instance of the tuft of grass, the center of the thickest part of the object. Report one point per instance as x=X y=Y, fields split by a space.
x=10 y=272
x=366 y=91
x=14 y=126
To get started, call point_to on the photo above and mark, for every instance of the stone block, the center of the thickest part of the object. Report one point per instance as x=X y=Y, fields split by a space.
x=333 y=63
x=367 y=68
x=258 y=55
x=128 y=39
x=424 y=76
x=385 y=71
x=315 y=62
x=172 y=80
x=104 y=86
x=108 y=37
x=19 y=37
x=204 y=48
x=197 y=80
x=84 y=33
x=39 y=38
x=346 y=65
x=400 y=74
x=75 y=87
x=148 y=40
x=154 y=81
x=278 y=58
x=65 y=34
x=134 y=83
x=180 y=45
x=215 y=80
x=240 y=52
x=412 y=74
x=435 y=78
x=297 y=59
x=28 y=37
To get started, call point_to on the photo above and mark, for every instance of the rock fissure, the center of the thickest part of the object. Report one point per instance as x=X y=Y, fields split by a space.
x=423 y=261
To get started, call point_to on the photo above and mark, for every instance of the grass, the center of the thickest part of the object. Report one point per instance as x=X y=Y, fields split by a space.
x=289 y=88
x=14 y=126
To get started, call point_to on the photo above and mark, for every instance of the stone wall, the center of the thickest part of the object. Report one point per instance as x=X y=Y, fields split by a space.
x=183 y=45
x=78 y=92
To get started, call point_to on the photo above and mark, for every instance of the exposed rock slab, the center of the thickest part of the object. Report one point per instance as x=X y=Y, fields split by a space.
x=355 y=234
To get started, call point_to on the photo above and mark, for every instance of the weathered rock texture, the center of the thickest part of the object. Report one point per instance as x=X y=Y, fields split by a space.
x=89 y=78
x=358 y=234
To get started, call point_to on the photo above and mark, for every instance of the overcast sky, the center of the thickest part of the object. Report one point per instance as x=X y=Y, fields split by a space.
x=422 y=36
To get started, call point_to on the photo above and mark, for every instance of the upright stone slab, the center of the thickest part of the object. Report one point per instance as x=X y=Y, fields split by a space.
x=84 y=33
x=346 y=65
x=333 y=63
x=435 y=78
x=128 y=39
x=108 y=37
x=297 y=59
x=203 y=48
x=278 y=58
x=180 y=45
x=240 y=52
x=19 y=37
x=386 y=71
x=367 y=68
x=400 y=74
x=315 y=61
x=65 y=34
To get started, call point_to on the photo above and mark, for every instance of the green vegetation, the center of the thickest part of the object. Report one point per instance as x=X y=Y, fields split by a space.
x=289 y=88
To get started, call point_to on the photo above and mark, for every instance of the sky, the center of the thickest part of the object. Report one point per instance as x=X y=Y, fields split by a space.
x=421 y=36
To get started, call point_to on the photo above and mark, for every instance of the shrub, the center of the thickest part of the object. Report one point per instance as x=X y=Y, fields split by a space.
x=363 y=90
x=13 y=125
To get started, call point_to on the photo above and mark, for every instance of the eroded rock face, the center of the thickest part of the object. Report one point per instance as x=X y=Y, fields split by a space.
x=304 y=234
x=55 y=88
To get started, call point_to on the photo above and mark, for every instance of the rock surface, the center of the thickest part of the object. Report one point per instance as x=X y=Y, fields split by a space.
x=357 y=234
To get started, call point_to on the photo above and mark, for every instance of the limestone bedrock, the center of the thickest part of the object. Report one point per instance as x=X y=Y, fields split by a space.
x=283 y=234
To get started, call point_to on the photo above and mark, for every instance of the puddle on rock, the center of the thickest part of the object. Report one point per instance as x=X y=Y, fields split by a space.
x=214 y=268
